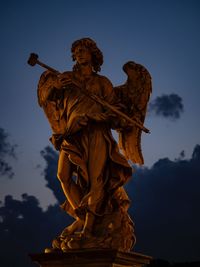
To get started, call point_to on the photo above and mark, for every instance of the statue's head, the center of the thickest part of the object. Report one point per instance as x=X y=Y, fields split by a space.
x=96 y=54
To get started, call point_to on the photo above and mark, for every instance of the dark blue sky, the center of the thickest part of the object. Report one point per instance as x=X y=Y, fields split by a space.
x=164 y=36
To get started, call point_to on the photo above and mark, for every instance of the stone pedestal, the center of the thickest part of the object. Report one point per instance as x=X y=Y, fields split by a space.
x=91 y=258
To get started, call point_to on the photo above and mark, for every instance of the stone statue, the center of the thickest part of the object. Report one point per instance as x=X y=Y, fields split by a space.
x=82 y=107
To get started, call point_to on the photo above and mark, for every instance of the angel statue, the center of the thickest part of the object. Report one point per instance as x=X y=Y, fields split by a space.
x=82 y=107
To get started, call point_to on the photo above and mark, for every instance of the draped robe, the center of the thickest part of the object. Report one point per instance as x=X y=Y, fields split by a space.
x=89 y=145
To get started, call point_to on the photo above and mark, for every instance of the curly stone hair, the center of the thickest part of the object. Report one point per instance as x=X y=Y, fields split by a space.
x=97 y=56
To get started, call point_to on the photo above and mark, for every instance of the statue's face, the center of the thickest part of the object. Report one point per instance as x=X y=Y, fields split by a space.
x=82 y=55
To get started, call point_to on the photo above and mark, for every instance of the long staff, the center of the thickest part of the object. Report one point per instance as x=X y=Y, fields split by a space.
x=33 y=60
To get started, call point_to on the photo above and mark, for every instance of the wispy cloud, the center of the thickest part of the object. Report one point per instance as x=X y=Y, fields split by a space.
x=6 y=150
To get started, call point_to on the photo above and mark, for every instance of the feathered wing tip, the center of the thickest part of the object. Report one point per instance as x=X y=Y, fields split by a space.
x=130 y=144
x=134 y=94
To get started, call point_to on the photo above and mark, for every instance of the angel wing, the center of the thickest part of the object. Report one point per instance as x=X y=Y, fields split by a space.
x=51 y=101
x=134 y=94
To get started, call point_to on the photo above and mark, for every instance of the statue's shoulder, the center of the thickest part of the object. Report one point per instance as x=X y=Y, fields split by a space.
x=103 y=80
x=67 y=73
x=46 y=77
x=46 y=74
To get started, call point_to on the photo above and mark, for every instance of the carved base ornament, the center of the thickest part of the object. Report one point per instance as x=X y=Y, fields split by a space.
x=82 y=108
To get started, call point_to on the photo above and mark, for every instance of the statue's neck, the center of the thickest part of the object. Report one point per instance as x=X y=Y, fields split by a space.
x=86 y=70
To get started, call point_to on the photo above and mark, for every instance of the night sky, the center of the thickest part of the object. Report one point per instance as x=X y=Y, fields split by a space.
x=162 y=35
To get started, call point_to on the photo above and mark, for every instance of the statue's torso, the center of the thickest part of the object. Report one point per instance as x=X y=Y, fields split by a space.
x=69 y=104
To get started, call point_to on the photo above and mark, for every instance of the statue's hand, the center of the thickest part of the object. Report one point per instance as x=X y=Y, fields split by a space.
x=62 y=81
x=65 y=81
x=121 y=124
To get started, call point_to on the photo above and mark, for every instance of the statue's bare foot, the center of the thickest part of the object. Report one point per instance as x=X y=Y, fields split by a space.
x=83 y=239
x=69 y=230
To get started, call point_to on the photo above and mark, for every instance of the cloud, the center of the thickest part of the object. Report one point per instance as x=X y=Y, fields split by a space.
x=166 y=203
x=6 y=150
x=50 y=172
x=25 y=228
x=168 y=106
x=165 y=208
